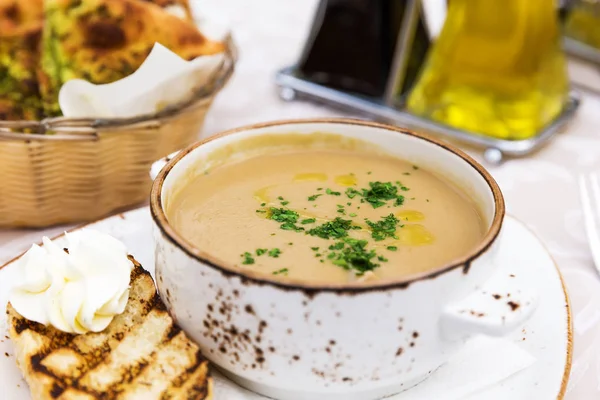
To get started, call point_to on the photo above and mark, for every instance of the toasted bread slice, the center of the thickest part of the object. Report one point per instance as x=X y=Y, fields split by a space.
x=141 y=355
x=102 y=41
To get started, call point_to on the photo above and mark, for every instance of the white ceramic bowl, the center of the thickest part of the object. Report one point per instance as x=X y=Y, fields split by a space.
x=291 y=340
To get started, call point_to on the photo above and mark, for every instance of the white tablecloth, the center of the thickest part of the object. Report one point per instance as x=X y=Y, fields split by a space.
x=541 y=190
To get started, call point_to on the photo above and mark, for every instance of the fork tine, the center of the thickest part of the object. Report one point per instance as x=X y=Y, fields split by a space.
x=590 y=200
x=596 y=192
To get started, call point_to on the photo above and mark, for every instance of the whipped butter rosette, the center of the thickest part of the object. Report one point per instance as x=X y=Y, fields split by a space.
x=78 y=289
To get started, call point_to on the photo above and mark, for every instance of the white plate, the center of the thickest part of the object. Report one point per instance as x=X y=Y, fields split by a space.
x=547 y=336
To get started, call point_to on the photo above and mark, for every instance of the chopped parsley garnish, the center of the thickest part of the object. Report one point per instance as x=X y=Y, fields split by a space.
x=308 y=221
x=415 y=167
x=379 y=193
x=287 y=217
x=348 y=204
x=392 y=248
x=319 y=188
x=283 y=215
x=314 y=248
x=263 y=204
x=369 y=173
x=351 y=254
x=248 y=259
x=261 y=211
x=331 y=192
x=406 y=173
x=353 y=214
x=274 y=253
x=314 y=197
x=337 y=228
x=260 y=252
x=281 y=271
x=285 y=203
x=386 y=227
x=290 y=243
x=279 y=198
x=382 y=258
x=342 y=211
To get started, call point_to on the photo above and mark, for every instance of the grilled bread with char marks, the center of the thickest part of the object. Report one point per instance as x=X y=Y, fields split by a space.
x=141 y=355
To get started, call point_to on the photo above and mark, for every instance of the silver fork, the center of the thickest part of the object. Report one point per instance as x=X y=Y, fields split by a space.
x=589 y=189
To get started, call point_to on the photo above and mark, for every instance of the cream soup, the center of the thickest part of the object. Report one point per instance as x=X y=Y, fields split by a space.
x=326 y=216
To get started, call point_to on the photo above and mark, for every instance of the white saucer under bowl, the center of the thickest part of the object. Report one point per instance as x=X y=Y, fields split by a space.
x=547 y=335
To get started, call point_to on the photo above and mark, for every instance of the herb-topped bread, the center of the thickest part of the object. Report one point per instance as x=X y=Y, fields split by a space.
x=20 y=33
x=181 y=8
x=102 y=41
x=141 y=354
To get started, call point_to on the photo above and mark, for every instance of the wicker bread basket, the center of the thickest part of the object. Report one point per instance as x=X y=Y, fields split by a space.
x=74 y=170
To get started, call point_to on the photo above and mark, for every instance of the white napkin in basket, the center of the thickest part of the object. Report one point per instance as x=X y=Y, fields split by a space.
x=482 y=363
x=163 y=79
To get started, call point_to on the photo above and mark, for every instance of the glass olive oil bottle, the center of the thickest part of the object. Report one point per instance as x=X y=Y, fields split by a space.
x=497 y=69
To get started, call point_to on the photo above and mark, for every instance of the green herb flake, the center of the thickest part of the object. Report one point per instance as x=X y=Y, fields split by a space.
x=351 y=254
x=279 y=198
x=319 y=188
x=247 y=259
x=263 y=204
x=308 y=221
x=353 y=214
x=386 y=227
x=369 y=173
x=314 y=197
x=337 y=228
x=352 y=193
x=337 y=246
x=314 y=248
x=274 y=253
x=332 y=193
x=382 y=258
x=289 y=226
x=415 y=167
x=392 y=248
x=283 y=271
x=406 y=173
x=288 y=218
x=285 y=203
x=260 y=252
x=290 y=243
x=261 y=211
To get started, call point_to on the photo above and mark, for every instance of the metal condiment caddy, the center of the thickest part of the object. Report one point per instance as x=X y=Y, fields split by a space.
x=407 y=38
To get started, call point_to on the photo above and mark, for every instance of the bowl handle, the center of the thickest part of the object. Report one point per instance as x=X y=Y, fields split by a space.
x=159 y=165
x=499 y=307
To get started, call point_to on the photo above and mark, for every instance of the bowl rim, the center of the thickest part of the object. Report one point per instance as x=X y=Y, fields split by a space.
x=160 y=219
